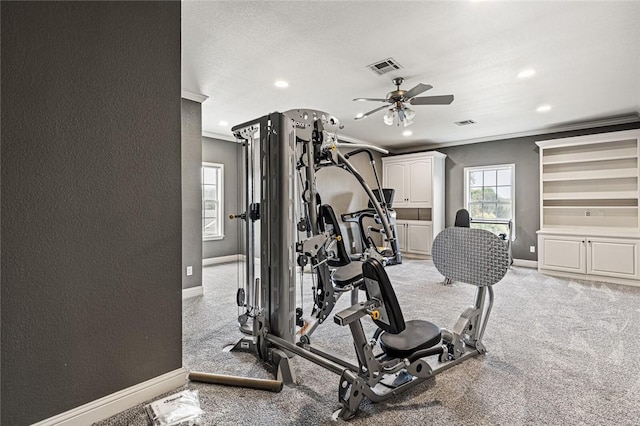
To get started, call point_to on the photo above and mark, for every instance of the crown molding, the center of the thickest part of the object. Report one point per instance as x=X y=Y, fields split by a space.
x=581 y=125
x=351 y=140
x=192 y=96
x=212 y=135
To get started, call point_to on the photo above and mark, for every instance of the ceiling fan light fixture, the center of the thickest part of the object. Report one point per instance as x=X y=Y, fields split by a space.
x=388 y=118
x=407 y=122
x=409 y=113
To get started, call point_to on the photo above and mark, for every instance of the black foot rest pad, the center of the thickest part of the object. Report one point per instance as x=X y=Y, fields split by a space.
x=348 y=274
x=417 y=335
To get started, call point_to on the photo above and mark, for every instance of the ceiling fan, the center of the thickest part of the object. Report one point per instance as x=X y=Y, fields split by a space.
x=396 y=100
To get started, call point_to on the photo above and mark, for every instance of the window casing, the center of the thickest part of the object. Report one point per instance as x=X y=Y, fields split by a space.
x=212 y=178
x=490 y=194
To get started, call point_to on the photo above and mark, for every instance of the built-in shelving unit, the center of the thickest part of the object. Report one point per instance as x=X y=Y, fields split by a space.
x=589 y=190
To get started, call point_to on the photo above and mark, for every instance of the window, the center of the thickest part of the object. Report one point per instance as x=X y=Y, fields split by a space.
x=212 y=206
x=489 y=195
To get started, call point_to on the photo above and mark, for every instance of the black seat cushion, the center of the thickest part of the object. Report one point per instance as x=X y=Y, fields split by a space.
x=417 y=335
x=348 y=274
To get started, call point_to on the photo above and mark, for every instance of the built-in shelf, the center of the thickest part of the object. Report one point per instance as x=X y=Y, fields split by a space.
x=590 y=175
x=605 y=151
x=612 y=195
x=566 y=160
x=589 y=215
x=592 y=207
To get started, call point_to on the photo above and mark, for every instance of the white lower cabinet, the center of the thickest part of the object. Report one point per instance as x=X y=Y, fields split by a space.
x=414 y=236
x=591 y=256
x=563 y=253
x=612 y=258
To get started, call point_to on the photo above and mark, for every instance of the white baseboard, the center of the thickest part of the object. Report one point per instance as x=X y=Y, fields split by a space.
x=115 y=403
x=222 y=259
x=192 y=292
x=525 y=263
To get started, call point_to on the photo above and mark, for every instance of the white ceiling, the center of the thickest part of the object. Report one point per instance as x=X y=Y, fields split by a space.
x=586 y=56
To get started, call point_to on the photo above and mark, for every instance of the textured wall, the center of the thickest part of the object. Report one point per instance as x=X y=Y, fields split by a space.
x=523 y=152
x=191 y=192
x=90 y=200
x=229 y=154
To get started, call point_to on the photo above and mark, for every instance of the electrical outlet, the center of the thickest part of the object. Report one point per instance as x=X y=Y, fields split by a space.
x=189 y=271
x=532 y=249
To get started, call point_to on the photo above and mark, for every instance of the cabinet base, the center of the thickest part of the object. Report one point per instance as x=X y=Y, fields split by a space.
x=586 y=277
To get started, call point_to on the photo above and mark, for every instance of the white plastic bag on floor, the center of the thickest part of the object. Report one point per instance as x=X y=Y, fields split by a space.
x=182 y=409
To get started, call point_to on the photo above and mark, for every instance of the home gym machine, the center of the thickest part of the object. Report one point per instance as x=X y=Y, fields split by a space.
x=288 y=230
x=366 y=232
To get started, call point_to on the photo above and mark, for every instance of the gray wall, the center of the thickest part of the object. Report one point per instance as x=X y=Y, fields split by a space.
x=229 y=154
x=191 y=192
x=90 y=230
x=523 y=152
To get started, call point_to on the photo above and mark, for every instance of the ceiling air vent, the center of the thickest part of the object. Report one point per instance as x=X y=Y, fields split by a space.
x=384 y=66
x=464 y=122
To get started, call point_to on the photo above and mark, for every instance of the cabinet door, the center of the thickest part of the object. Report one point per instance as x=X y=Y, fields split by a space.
x=394 y=177
x=562 y=253
x=419 y=238
x=401 y=233
x=420 y=183
x=612 y=258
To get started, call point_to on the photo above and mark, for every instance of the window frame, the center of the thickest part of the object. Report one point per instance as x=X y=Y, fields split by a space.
x=220 y=191
x=512 y=168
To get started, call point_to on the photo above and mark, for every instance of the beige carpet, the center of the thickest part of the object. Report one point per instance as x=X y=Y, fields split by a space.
x=560 y=352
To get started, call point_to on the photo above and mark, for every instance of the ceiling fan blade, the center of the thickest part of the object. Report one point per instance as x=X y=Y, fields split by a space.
x=432 y=100
x=371 y=112
x=415 y=91
x=371 y=99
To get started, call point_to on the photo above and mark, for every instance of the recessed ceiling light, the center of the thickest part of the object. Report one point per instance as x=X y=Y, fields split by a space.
x=359 y=115
x=223 y=123
x=527 y=73
x=407 y=133
x=543 y=108
x=281 y=84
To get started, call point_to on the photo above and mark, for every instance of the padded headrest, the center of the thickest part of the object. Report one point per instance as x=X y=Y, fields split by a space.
x=470 y=255
x=329 y=222
x=463 y=219
x=379 y=287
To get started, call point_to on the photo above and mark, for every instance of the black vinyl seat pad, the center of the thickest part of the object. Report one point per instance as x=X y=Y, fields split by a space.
x=348 y=274
x=470 y=255
x=417 y=335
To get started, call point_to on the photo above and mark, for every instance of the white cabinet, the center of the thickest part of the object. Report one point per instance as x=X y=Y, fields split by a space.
x=613 y=258
x=418 y=180
x=412 y=181
x=414 y=236
x=589 y=221
x=562 y=253
x=594 y=256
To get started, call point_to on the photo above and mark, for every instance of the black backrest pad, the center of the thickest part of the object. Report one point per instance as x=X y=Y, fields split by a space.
x=379 y=287
x=469 y=255
x=329 y=223
x=463 y=219
x=388 y=196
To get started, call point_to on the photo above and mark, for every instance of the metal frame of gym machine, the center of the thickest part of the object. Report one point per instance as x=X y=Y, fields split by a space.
x=281 y=200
